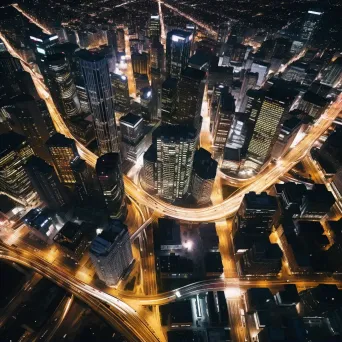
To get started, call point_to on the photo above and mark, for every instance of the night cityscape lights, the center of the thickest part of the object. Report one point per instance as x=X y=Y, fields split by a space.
x=170 y=171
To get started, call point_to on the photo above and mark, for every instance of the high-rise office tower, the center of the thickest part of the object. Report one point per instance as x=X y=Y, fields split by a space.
x=249 y=82
x=178 y=47
x=26 y=85
x=99 y=89
x=121 y=93
x=43 y=44
x=168 y=99
x=175 y=154
x=61 y=84
x=83 y=178
x=223 y=120
x=157 y=56
x=111 y=38
x=120 y=38
x=189 y=98
x=14 y=181
x=46 y=116
x=27 y=119
x=141 y=63
x=9 y=65
x=157 y=69
x=332 y=74
x=131 y=128
x=273 y=108
x=203 y=176
x=154 y=29
x=253 y=105
x=310 y=25
x=82 y=95
x=108 y=170
x=62 y=150
x=134 y=142
x=149 y=171
x=46 y=183
x=111 y=252
x=223 y=33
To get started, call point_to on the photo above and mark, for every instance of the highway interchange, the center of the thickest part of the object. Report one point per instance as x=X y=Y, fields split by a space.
x=121 y=310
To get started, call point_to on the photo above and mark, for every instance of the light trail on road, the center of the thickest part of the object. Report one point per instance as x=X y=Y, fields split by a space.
x=32 y=19
x=197 y=22
x=121 y=315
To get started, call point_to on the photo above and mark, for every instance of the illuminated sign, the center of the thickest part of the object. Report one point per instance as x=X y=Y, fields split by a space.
x=42 y=51
x=316 y=13
x=53 y=38
x=177 y=38
x=149 y=93
x=154 y=16
x=36 y=39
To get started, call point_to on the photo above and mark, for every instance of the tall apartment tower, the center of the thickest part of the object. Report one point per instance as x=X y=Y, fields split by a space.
x=61 y=84
x=109 y=174
x=99 y=89
x=273 y=108
x=14 y=181
x=62 y=150
x=178 y=47
x=111 y=252
x=175 y=154
x=46 y=183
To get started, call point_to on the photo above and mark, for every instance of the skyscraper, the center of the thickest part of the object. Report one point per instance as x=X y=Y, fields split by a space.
x=273 y=108
x=175 y=154
x=203 y=176
x=223 y=120
x=111 y=252
x=149 y=171
x=157 y=56
x=109 y=173
x=154 y=27
x=134 y=142
x=28 y=120
x=189 y=98
x=46 y=183
x=168 y=98
x=249 y=82
x=99 y=89
x=62 y=150
x=310 y=25
x=61 y=84
x=121 y=93
x=332 y=74
x=141 y=63
x=178 y=46
x=14 y=181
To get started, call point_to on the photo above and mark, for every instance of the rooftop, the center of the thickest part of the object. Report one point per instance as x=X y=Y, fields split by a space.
x=60 y=140
x=10 y=141
x=131 y=119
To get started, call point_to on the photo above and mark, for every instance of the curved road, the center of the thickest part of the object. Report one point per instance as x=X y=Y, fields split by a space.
x=118 y=313
x=228 y=207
